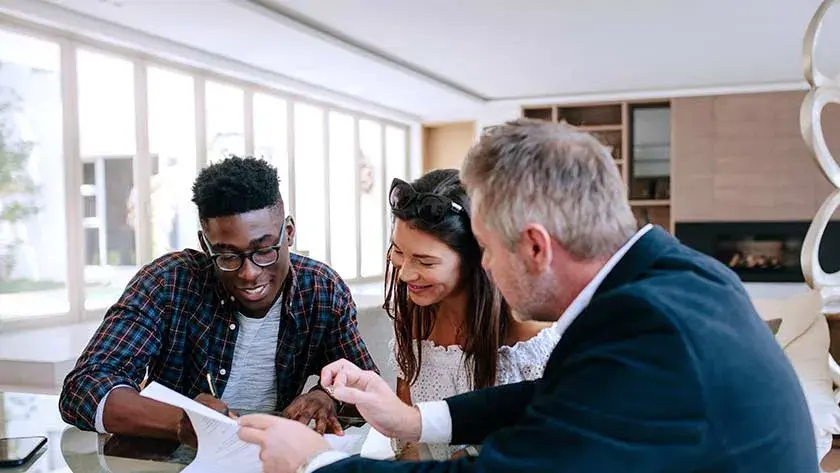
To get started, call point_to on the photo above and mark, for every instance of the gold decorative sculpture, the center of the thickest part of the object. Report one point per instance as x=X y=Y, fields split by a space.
x=824 y=90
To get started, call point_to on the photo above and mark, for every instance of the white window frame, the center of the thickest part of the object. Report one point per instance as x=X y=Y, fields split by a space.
x=69 y=45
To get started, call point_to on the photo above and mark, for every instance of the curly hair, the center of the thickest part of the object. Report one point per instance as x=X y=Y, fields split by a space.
x=234 y=186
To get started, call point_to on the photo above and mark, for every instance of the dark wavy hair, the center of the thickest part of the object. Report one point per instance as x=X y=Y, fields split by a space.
x=487 y=312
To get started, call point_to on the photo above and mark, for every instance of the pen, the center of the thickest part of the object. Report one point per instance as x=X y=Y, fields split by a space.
x=214 y=393
x=212 y=386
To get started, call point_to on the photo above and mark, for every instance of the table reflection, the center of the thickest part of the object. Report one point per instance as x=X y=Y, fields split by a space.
x=88 y=452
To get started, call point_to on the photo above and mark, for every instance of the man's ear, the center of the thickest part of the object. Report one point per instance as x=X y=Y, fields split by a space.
x=535 y=248
x=289 y=228
x=201 y=242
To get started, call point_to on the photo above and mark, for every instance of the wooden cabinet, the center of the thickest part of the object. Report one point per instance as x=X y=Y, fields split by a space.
x=638 y=135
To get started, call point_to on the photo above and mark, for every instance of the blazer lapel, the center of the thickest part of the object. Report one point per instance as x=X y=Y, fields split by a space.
x=638 y=259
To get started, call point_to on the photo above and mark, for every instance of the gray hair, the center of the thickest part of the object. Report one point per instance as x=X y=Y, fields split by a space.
x=530 y=171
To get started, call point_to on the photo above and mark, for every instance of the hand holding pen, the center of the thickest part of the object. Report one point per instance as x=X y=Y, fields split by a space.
x=186 y=433
x=214 y=401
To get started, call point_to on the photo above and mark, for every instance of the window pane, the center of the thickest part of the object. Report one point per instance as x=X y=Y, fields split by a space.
x=172 y=147
x=33 y=246
x=371 y=203
x=309 y=181
x=225 y=106
x=342 y=195
x=106 y=114
x=396 y=166
x=270 y=140
x=106 y=105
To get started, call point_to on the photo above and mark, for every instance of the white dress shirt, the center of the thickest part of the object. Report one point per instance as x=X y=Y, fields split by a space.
x=436 y=420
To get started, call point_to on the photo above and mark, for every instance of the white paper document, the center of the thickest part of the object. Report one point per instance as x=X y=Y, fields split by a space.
x=351 y=442
x=219 y=447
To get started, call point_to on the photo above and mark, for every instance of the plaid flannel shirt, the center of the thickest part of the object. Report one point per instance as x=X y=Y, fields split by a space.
x=176 y=319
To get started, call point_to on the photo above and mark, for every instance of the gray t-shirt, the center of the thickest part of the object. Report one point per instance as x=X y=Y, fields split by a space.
x=252 y=384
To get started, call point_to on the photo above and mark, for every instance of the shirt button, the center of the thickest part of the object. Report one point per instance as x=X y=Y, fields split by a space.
x=222 y=371
x=233 y=326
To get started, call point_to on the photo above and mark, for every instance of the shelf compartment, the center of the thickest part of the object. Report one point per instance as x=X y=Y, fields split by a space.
x=591 y=115
x=539 y=113
x=656 y=214
x=612 y=140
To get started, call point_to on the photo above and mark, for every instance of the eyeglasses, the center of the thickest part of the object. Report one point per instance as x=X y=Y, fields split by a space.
x=426 y=206
x=262 y=257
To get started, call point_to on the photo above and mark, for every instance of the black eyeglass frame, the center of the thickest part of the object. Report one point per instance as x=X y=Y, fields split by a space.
x=247 y=254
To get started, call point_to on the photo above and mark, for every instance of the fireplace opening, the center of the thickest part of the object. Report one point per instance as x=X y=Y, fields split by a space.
x=760 y=251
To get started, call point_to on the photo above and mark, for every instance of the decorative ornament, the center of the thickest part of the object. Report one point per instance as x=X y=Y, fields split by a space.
x=824 y=90
x=366 y=180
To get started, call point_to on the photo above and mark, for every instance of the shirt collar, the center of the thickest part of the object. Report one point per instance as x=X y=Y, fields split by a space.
x=585 y=296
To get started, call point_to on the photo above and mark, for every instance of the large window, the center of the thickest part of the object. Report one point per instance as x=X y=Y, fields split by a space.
x=173 y=162
x=396 y=164
x=107 y=146
x=98 y=152
x=310 y=181
x=271 y=141
x=225 y=121
x=33 y=242
x=342 y=164
x=370 y=183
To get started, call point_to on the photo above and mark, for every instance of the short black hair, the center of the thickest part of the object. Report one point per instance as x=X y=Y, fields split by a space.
x=234 y=186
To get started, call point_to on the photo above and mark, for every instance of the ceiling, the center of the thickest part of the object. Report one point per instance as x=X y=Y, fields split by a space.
x=446 y=59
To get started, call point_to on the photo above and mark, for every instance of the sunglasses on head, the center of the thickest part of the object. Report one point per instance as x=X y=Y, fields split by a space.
x=433 y=208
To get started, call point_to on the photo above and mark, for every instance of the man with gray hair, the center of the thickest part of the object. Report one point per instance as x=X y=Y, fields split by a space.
x=663 y=364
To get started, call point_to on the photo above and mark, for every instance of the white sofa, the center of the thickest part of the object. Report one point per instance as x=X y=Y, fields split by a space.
x=804 y=336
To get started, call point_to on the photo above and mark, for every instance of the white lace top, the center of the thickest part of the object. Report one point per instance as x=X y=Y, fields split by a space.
x=443 y=372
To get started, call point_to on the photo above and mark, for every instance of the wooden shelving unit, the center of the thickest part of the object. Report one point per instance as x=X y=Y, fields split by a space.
x=639 y=136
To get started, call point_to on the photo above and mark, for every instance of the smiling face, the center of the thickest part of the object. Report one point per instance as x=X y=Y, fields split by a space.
x=254 y=287
x=430 y=269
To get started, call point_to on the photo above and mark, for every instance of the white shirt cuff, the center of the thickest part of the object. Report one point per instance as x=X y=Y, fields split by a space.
x=323 y=459
x=99 y=422
x=436 y=422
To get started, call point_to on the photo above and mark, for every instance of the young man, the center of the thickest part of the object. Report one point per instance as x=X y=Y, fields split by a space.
x=662 y=366
x=244 y=315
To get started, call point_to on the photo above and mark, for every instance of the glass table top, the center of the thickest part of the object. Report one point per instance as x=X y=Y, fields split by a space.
x=69 y=449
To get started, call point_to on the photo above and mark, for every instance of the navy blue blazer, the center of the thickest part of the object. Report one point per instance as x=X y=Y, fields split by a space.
x=668 y=369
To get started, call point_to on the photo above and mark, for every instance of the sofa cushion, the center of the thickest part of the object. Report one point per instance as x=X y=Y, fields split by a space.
x=804 y=336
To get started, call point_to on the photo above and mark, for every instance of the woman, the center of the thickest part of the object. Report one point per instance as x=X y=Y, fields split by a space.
x=453 y=330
